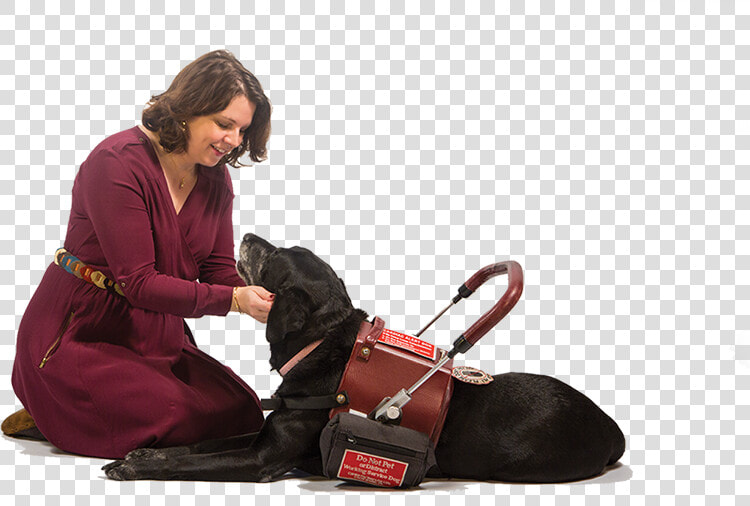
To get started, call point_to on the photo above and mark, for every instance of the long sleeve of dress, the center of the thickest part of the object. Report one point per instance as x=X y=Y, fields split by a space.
x=113 y=199
x=220 y=267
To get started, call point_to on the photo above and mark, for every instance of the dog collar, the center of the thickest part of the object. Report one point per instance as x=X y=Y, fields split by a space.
x=299 y=356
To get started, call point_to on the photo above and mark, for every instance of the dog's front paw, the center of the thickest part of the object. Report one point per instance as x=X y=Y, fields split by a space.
x=157 y=453
x=120 y=470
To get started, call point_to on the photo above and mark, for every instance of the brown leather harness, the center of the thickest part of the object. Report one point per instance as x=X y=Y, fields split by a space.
x=374 y=371
x=378 y=368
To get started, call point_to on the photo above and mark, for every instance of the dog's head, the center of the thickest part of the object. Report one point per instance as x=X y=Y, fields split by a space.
x=310 y=297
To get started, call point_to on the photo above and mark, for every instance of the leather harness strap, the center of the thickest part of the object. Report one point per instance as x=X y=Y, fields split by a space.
x=371 y=339
x=329 y=401
x=316 y=402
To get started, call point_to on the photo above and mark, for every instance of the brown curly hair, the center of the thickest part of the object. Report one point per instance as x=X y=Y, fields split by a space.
x=207 y=86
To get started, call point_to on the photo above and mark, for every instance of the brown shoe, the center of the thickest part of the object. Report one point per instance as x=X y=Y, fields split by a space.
x=20 y=424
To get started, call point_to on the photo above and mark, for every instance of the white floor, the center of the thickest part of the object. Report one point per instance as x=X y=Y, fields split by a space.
x=43 y=454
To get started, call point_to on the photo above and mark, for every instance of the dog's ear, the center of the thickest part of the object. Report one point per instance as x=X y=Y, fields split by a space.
x=334 y=310
x=288 y=314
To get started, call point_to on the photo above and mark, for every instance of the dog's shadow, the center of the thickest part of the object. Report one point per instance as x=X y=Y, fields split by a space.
x=613 y=474
x=616 y=473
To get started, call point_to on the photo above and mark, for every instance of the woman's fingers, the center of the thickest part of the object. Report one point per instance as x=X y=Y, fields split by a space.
x=256 y=301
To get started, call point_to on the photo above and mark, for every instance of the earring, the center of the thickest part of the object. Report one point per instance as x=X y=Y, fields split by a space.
x=183 y=125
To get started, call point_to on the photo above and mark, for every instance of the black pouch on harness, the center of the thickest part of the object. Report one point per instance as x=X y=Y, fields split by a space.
x=366 y=451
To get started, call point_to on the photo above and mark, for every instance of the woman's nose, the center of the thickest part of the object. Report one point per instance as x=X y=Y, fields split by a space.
x=233 y=138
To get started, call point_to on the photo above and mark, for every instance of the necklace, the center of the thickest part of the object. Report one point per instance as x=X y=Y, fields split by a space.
x=162 y=156
x=187 y=173
x=182 y=180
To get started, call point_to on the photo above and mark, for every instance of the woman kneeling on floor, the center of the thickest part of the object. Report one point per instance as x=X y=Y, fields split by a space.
x=104 y=361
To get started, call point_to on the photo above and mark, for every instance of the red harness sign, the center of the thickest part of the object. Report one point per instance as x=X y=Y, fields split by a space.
x=371 y=469
x=408 y=343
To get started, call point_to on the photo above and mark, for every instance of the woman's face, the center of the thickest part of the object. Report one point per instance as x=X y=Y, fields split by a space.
x=215 y=135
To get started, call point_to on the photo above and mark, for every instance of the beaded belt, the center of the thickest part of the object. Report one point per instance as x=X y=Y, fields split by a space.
x=74 y=266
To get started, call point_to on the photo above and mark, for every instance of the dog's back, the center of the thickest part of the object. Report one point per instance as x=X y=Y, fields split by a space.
x=526 y=427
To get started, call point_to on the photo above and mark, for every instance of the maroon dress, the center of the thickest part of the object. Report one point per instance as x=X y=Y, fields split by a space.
x=102 y=374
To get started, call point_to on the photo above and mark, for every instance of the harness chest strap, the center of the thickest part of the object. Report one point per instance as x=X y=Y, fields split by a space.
x=317 y=402
x=329 y=401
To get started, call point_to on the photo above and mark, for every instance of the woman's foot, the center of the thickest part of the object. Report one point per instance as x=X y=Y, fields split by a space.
x=20 y=424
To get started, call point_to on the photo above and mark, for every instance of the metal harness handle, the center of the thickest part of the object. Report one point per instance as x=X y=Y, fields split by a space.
x=498 y=311
x=389 y=409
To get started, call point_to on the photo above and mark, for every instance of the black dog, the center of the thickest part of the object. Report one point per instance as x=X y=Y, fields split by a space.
x=520 y=427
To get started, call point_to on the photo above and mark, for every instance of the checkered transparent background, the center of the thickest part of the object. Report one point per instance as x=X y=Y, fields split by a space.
x=601 y=144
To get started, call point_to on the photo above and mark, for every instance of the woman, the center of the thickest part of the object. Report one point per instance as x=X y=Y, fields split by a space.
x=104 y=366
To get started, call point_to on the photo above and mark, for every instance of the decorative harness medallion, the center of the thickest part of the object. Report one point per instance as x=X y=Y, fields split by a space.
x=471 y=375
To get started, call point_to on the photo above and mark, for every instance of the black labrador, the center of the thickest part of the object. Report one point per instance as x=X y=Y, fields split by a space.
x=519 y=428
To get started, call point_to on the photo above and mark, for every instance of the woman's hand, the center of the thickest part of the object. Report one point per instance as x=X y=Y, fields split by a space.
x=253 y=300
